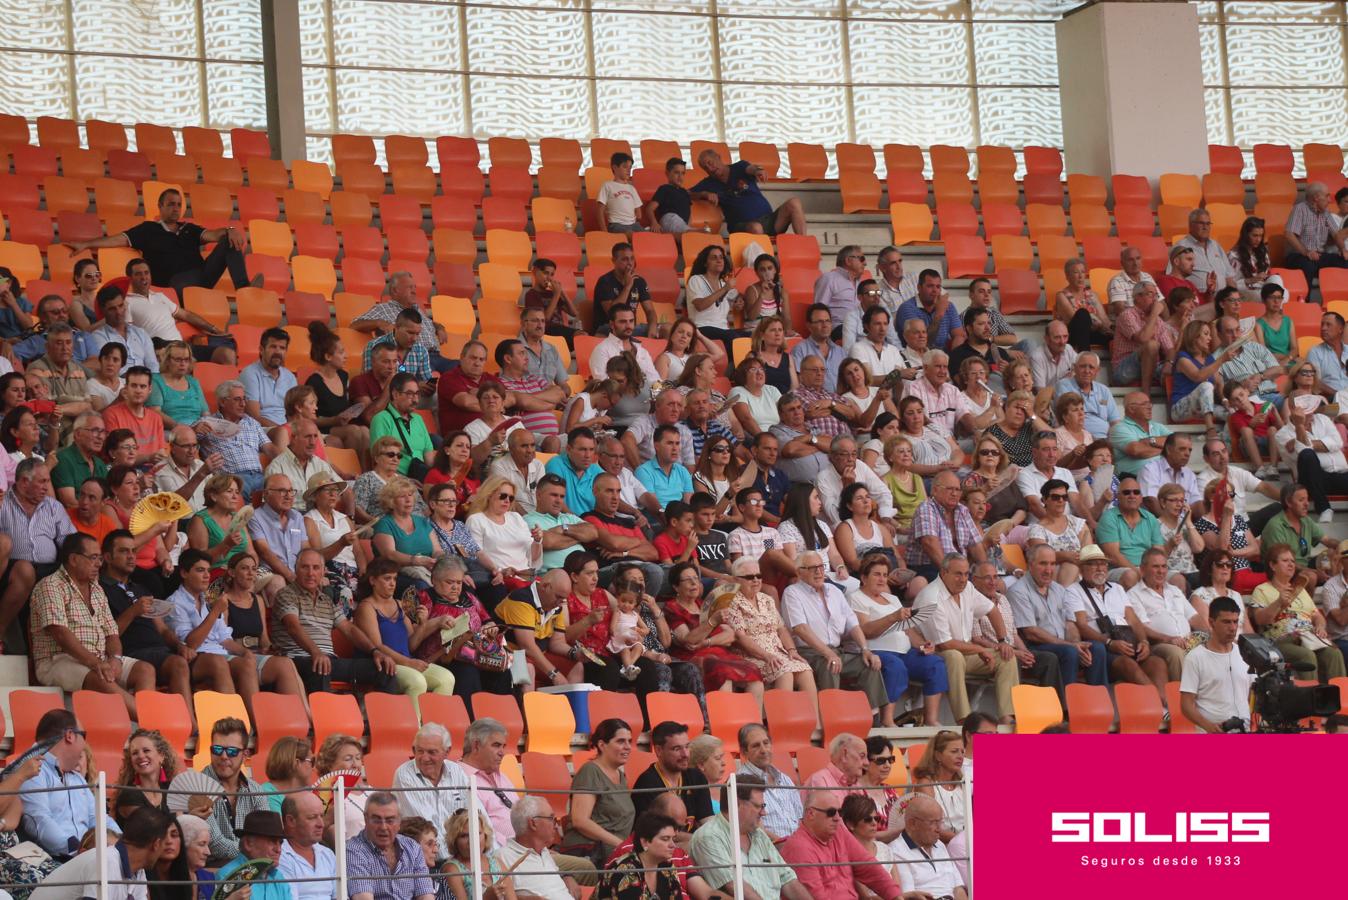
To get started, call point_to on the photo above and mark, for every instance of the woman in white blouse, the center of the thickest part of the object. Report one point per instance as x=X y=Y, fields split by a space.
x=933 y=452
x=515 y=547
x=753 y=401
x=854 y=387
x=903 y=650
x=489 y=431
x=711 y=296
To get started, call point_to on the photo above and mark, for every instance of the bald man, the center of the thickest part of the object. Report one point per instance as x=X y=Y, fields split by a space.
x=924 y=862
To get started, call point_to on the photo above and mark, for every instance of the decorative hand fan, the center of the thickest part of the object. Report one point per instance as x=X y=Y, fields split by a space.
x=241 y=519
x=37 y=749
x=190 y=782
x=326 y=787
x=253 y=870
x=156 y=508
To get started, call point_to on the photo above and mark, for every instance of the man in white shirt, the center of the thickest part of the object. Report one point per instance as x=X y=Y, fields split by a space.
x=183 y=473
x=869 y=295
x=896 y=286
x=1042 y=469
x=300 y=462
x=1212 y=270
x=1051 y=361
x=142 y=842
x=874 y=350
x=1104 y=612
x=622 y=325
x=1120 y=288
x=844 y=468
x=1311 y=439
x=431 y=786
x=303 y=855
x=1217 y=454
x=159 y=315
x=924 y=864
x=1167 y=617
x=536 y=829
x=1171 y=467
x=521 y=467
x=820 y=618
x=940 y=399
x=1215 y=684
x=945 y=611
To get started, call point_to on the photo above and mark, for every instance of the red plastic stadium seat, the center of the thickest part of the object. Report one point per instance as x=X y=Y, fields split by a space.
x=844 y=711
x=1043 y=161
x=453 y=151
x=1225 y=160
x=1019 y=290
x=966 y=256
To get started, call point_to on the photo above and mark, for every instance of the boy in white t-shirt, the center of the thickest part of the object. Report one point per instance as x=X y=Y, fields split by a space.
x=1215 y=685
x=618 y=199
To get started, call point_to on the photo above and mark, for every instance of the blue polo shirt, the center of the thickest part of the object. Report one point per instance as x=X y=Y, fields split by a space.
x=270 y=393
x=938 y=334
x=579 y=488
x=738 y=196
x=666 y=487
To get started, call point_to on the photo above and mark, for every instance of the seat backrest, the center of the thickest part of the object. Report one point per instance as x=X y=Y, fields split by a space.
x=550 y=722
x=504 y=709
x=615 y=705
x=844 y=711
x=663 y=706
x=1036 y=707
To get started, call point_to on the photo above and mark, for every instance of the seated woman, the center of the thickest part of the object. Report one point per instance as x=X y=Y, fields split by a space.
x=997 y=476
x=247 y=616
x=289 y=767
x=1277 y=330
x=487 y=433
x=711 y=296
x=601 y=807
x=753 y=401
x=768 y=343
x=174 y=391
x=301 y=402
x=767 y=297
x=1283 y=612
x=762 y=637
x=633 y=390
x=1185 y=542
x=980 y=406
x=589 y=408
x=861 y=535
x=905 y=485
x=340 y=756
x=702 y=374
x=453 y=537
x=885 y=427
x=802 y=529
x=458 y=867
x=589 y=610
x=933 y=451
x=1080 y=310
x=1015 y=432
x=387 y=453
x=337 y=418
x=477 y=660
x=1305 y=383
x=453 y=465
x=1249 y=258
x=903 y=650
x=1227 y=303
x=1225 y=529
x=1197 y=382
x=105 y=385
x=870 y=400
x=940 y=775
x=1214 y=580
x=332 y=533
x=149 y=764
x=1069 y=411
x=860 y=816
x=210 y=529
x=401 y=535
x=492 y=521
x=718 y=473
x=389 y=628
x=704 y=640
x=683 y=343
x=1061 y=530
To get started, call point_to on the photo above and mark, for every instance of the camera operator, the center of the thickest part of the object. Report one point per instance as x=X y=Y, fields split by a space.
x=1215 y=686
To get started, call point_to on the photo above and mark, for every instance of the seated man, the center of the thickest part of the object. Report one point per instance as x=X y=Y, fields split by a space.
x=1036 y=666
x=1217 y=455
x=803 y=451
x=1040 y=605
x=782 y=810
x=239 y=451
x=381 y=318
x=66 y=380
x=845 y=468
x=405 y=338
x=736 y=190
x=847 y=760
x=1125 y=531
x=303 y=854
x=536 y=400
x=631 y=502
x=1120 y=289
x=669 y=743
x=1215 y=683
x=530 y=616
x=300 y=461
x=932 y=306
x=828 y=859
x=1255 y=365
x=1171 y=467
x=1167 y=618
x=925 y=867
x=764 y=872
x=618 y=539
x=664 y=477
x=135 y=852
x=872 y=347
x=819 y=618
x=117 y=328
x=303 y=618
x=373 y=387
x=266 y=381
x=81 y=459
x=33 y=524
x=457 y=390
x=159 y=314
x=1179 y=276
x=260 y=837
x=382 y=863
x=978 y=343
x=1043 y=469
x=942 y=525
x=577 y=469
x=818 y=342
x=1101 y=412
x=946 y=611
x=1051 y=361
x=771 y=482
x=219 y=662
x=699 y=423
x=1144 y=344
x=536 y=829
x=869 y=294
x=76 y=643
x=639 y=440
x=820 y=402
x=1296 y=504
x=1316 y=446
x=521 y=467
x=56 y=820
x=131 y=413
x=754 y=538
x=276 y=530
x=399 y=419
x=1104 y=613
x=239 y=795
x=1312 y=244
x=1136 y=438
x=939 y=396
x=432 y=786
x=621 y=287
x=52 y=310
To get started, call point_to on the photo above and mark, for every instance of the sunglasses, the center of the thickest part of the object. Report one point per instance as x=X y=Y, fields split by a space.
x=1129 y=493
x=230 y=752
x=392 y=454
x=829 y=812
x=756 y=576
x=720 y=449
x=504 y=496
x=883 y=760
x=989 y=452
x=1057 y=496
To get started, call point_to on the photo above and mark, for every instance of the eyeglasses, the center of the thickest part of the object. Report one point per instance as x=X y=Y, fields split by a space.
x=753 y=576
x=230 y=752
x=1222 y=565
x=392 y=454
x=754 y=501
x=186 y=446
x=504 y=496
x=94 y=558
x=1131 y=492
x=817 y=568
x=78 y=732
x=448 y=501
x=857 y=256
x=1057 y=496
x=989 y=451
x=830 y=812
x=871 y=819
x=870 y=293
x=286 y=492
x=883 y=760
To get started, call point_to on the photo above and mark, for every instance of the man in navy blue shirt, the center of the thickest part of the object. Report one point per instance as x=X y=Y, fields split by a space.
x=735 y=189
x=771 y=481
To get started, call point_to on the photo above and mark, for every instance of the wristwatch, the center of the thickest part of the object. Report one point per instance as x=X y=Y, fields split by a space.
x=1004 y=640
x=814 y=439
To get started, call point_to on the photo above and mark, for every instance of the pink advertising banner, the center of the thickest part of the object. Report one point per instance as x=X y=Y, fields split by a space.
x=1157 y=816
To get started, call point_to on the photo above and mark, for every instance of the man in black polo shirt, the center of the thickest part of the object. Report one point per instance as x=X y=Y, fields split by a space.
x=173 y=248
x=622 y=286
x=143 y=638
x=671 y=772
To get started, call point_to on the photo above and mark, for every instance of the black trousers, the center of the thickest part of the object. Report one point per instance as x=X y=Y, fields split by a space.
x=1311 y=267
x=1081 y=332
x=1261 y=516
x=353 y=671
x=212 y=267
x=1046 y=672
x=1317 y=482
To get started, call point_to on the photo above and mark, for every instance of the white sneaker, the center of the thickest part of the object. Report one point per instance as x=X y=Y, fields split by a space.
x=1326 y=517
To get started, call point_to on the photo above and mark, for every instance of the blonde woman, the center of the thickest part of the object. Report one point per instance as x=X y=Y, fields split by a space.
x=492 y=521
x=401 y=534
x=387 y=453
x=149 y=764
x=905 y=485
x=289 y=767
x=173 y=391
x=458 y=867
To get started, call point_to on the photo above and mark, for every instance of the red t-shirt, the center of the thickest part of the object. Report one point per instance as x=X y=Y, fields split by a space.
x=1241 y=420
x=148 y=429
x=670 y=545
x=453 y=382
x=576 y=609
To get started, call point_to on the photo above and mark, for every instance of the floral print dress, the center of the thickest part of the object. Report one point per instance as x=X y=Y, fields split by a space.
x=758 y=618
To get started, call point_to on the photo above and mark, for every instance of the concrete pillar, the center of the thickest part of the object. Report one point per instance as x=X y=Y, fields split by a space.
x=1131 y=83
x=284 y=79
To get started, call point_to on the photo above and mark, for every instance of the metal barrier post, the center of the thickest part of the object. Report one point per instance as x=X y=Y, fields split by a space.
x=101 y=835
x=732 y=806
x=339 y=836
x=474 y=840
x=969 y=833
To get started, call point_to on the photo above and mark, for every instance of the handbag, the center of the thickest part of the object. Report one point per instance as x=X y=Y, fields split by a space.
x=490 y=654
x=1106 y=625
x=417 y=469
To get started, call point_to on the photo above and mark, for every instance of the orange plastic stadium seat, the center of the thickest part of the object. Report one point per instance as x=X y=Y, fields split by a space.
x=1036 y=707
x=1045 y=218
x=563 y=248
x=513 y=182
x=561 y=153
x=553 y=214
x=1086 y=189
x=1315 y=157
x=844 y=711
x=39 y=162
x=599 y=247
x=1305 y=316
x=57 y=133
x=1002 y=218
x=357 y=148
x=1042 y=161
x=401 y=149
x=1225 y=160
x=952 y=187
x=995 y=158
x=854 y=158
x=1101 y=251
x=500 y=282
x=454 y=246
x=106 y=725
x=1275 y=187
x=615 y=705
x=30 y=226
x=765 y=156
x=655 y=250
x=1055 y=251
x=396 y=211
x=595 y=176
x=663 y=706
x=413 y=181
x=664 y=284
x=408 y=243
x=1179 y=723
x=129 y=165
x=210 y=304
x=458 y=213
x=1180 y=190
x=1090 y=219
x=258 y=306
x=155 y=138
x=560 y=183
x=26 y=709
x=278 y=716
x=312 y=176
x=504 y=709
x=271 y=238
x=303 y=307
x=948 y=158
x=860 y=191
x=363 y=178
x=1174 y=220
x=13 y=130
x=551 y=723
x=1018 y=290
x=448 y=711
x=1155 y=251
x=85 y=165
x=547 y=772
x=1009 y=252
x=265 y=172
x=165 y=713
x=455 y=280
x=1134 y=220
x=956 y=218
x=211 y=707
x=211 y=376
x=507 y=151
x=314 y=275
x=1042 y=189
x=911 y=222
x=72 y=226
x=1131 y=189
x=393 y=722
x=706 y=218
x=811 y=759
x=1273 y=158
x=1140 y=709
x=729 y=712
x=22 y=191
x=995 y=186
x=335 y=714
x=906 y=186
x=1089 y=708
x=275 y=271
x=1334 y=284
x=104 y=136
x=362 y=242
x=808 y=162
x=1220 y=187
x=602 y=150
x=454 y=150
x=212 y=205
x=509 y=248
x=203 y=142
x=790 y=723
x=504 y=212
x=303 y=207
x=798 y=251
x=221 y=170
x=24 y=260
x=903 y=157
x=258 y=203
x=347 y=306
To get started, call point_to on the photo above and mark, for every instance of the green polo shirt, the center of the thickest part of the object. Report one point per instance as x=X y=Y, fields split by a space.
x=1279 y=531
x=1124 y=432
x=553 y=559
x=764 y=870
x=414 y=437
x=1133 y=542
x=71 y=470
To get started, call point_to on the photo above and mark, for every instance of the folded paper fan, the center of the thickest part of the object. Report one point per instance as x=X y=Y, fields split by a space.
x=241 y=519
x=190 y=782
x=156 y=508
x=326 y=787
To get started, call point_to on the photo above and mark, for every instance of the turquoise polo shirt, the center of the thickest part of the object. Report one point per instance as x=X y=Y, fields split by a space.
x=553 y=559
x=666 y=487
x=579 y=487
x=1123 y=433
x=1133 y=542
